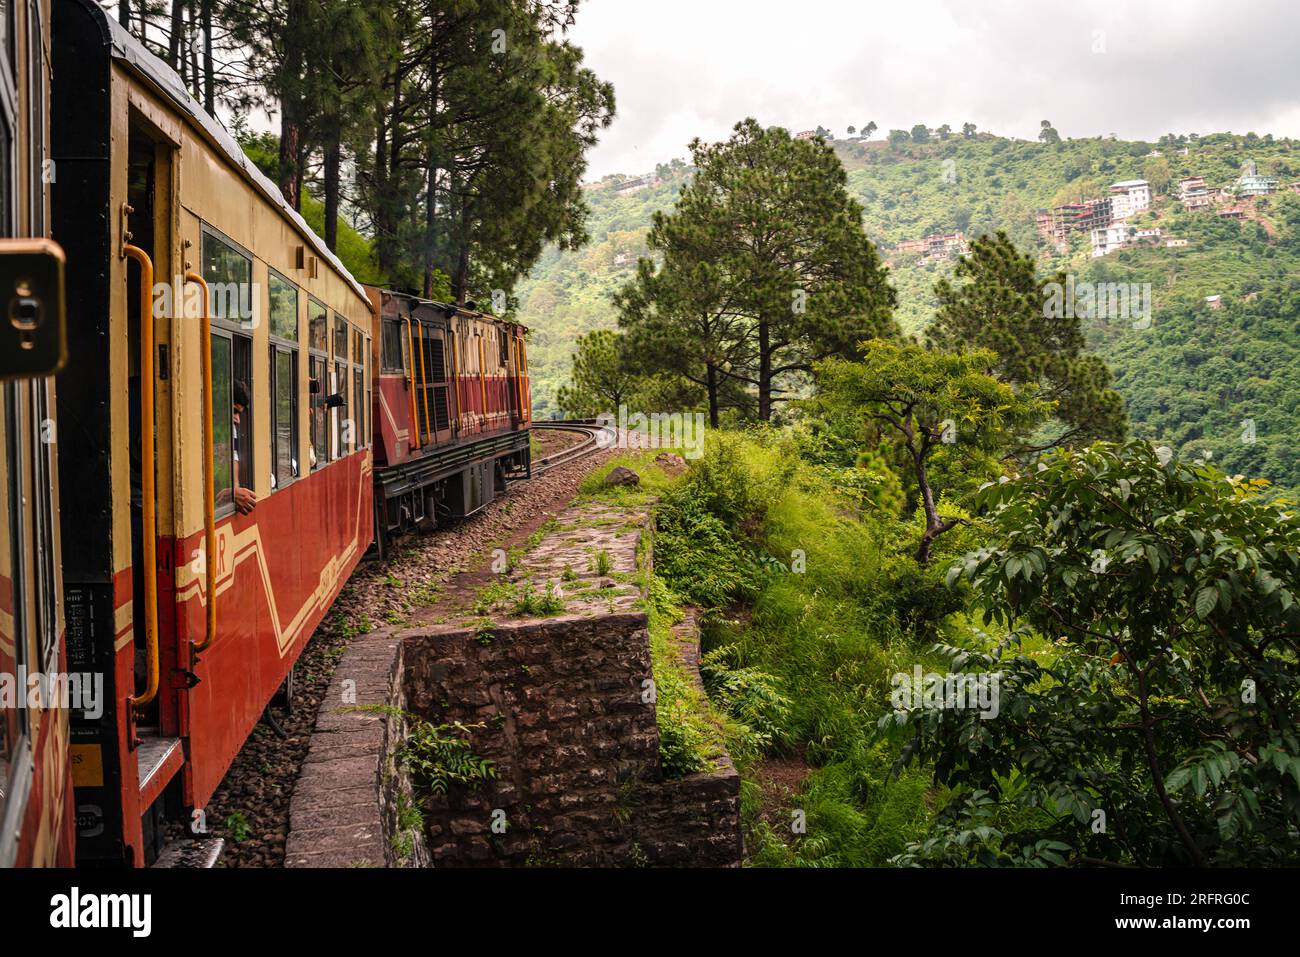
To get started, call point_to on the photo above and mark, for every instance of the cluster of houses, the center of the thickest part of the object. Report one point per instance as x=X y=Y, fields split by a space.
x=937 y=246
x=1105 y=219
x=1234 y=200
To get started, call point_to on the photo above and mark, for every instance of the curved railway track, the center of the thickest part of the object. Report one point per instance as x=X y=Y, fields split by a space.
x=592 y=442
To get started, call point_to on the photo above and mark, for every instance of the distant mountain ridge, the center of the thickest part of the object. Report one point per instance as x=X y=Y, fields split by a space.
x=910 y=190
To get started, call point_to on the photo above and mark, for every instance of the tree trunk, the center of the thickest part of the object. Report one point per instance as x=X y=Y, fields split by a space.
x=333 y=158
x=290 y=132
x=712 y=386
x=431 y=186
x=764 y=371
x=383 y=223
x=209 y=73
x=194 y=56
x=124 y=13
x=174 y=36
x=289 y=184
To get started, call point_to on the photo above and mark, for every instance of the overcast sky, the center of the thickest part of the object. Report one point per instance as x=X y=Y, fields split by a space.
x=685 y=68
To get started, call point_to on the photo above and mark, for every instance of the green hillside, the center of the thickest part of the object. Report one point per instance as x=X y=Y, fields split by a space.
x=1190 y=378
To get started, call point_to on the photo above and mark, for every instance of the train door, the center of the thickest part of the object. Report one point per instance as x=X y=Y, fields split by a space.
x=152 y=305
x=433 y=389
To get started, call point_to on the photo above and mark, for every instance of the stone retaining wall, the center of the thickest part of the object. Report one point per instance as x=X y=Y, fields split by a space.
x=562 y=709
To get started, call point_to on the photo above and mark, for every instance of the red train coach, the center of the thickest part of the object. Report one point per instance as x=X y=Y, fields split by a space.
x=451 y=410
x=215 y=468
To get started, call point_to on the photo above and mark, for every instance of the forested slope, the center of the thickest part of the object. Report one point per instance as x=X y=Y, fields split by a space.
x=1190 y=379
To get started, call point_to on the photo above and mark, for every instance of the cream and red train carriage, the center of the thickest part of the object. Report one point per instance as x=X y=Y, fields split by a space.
x=35 y=791
x=219 y=355
x=451 y=413
x=180 y=517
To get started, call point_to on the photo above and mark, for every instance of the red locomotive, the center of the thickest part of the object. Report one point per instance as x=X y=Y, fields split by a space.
x=451 y=410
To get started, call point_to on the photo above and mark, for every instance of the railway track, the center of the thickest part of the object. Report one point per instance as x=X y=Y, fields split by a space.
x=592 y=442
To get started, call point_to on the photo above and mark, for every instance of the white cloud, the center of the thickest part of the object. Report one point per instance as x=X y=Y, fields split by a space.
x=685 y=68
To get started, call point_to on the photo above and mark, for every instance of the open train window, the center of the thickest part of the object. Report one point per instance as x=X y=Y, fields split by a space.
x=318 y=365
x=341 y=425
x=232 y=417
x=283 y=315
x=228 y=271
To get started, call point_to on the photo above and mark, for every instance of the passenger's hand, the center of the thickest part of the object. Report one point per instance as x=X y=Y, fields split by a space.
x=245 y=500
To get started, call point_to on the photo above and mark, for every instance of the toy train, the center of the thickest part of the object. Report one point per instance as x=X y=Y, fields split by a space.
x=206 y=422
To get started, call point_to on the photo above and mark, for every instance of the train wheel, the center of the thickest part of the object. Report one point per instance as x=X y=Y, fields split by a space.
x=284 y=697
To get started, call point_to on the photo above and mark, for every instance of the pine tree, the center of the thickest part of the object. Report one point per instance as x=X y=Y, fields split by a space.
x=601 y=379
x=998 y=303
x=787 y=252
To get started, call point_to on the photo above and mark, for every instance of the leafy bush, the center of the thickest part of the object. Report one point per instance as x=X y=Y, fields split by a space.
x=1164 y=730
x=439 y=755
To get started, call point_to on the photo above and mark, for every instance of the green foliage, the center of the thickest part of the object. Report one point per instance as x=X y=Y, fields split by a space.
x=1198 y=379
x=1002 y=304
x=689 y=737
x=823 y=639
x=752 y=697
x=438 y=756
x=1170 y=702
x=602 y=379
x=601 y=563
x=237 y=827
x=932 y=402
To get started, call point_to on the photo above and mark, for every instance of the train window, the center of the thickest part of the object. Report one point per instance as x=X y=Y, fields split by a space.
x=342 y=430
x=229 y=275
x=369 y=401
x=359 y=405
x=319 y=449
x=391 y=359
x=316 y=322
x=318 y=363
x=232 y=418
x=221 y=440
x=340 y=339
x=283 y=298
x=13 y=644
x=284 y=415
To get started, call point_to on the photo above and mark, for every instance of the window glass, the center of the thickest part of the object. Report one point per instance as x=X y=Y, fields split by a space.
x=284 y=308
x=319 y=449
x=316 y=332
x=391 y=345
x=342 y=428
x=241 y=394
x=229 y=275
x=221 y=441
x=340 y=338
x=358 y=405
x=284 y=424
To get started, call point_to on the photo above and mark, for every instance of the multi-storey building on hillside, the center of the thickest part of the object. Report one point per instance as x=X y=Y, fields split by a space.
x=1081 y=217
x=1128 y=198
x=1250 y=183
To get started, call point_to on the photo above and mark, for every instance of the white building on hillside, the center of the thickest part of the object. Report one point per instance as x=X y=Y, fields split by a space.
x=1107 y=239
x=1129 y=197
